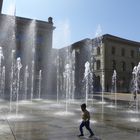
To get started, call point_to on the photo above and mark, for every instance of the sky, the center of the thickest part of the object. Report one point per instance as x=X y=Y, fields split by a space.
x=79 y=19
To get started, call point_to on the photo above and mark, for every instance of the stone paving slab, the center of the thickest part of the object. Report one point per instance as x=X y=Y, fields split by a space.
x=40 y=121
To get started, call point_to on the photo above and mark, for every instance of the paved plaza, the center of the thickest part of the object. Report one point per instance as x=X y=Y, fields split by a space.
x=48 y=120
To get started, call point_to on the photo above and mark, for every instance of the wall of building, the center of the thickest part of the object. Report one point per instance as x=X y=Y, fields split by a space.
x=124 y=62
x=16 y=33
x=1 y=2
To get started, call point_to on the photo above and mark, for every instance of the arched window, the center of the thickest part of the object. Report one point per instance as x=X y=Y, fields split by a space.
x=98 y=64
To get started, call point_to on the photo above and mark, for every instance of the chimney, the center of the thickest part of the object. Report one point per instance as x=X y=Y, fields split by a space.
x=50 y=20
x=1 y=2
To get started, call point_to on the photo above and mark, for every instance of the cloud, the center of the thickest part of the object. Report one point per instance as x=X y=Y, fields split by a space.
x=62 y=34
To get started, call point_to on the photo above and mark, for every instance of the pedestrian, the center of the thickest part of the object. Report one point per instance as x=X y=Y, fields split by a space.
x=85 y=121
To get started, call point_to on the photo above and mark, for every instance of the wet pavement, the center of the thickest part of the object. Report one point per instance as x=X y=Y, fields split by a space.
x=48 y=120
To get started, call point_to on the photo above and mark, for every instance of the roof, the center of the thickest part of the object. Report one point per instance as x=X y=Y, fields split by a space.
x=25 y=21
x=116 y=38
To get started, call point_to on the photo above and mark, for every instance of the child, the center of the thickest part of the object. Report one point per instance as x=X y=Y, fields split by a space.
x=85 y=121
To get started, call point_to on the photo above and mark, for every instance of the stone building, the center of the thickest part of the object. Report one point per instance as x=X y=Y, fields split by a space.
x=105 y=54
x=108 y=53
x=82 y=51
x=75 y=56
x=32 y=41
x=117 y=54
x=1 y=2
x=65 y=73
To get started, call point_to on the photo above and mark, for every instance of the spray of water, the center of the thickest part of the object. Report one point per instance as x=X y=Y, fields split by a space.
x=26 y=76
x=58 y=77
x=32 y=80
x=135 y=85
x=66 y=75
x=87 y=80
x=40 y=79
x=18 y=67
x=3 y=81
x=114 y=87
x=12 y=78
x=1 y=70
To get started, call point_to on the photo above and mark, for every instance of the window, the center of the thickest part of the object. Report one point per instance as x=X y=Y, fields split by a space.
x=98 y=64
x=132 y=66
x=123 y=66
x=39 y=39
x=123 y=52
x=20 y=36
x=113 y=64
x=132 y=53
x=124 y=81
x=98 y=50
x=113 y=50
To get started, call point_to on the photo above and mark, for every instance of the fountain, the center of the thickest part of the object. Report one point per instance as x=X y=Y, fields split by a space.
x=67 y=74
x=12 y=78
x=98 y=43
x=114 y=89
x=102 y=91
x=135 y=85
x=9 y=39
x=67 y=84
x=1 y=70
x=57 y=66
x=39 y=87
x=29 y=68
x=18 y=67
x=28 y=58
x=3 y=81
x=32 y=80
x=26 y=82
x=115 y=86
x=134 y=103
x=72 y=62
x=102 y=73
x=87 y=80
x=103 y=87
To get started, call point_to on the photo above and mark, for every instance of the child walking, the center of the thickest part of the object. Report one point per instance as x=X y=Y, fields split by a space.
x=85 y=121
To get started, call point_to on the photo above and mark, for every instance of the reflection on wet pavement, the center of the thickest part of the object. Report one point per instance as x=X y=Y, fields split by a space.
x=42 y=120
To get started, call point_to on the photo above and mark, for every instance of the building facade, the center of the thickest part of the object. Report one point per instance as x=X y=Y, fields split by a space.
x=104 y=54
x=121 y=55
x=31 y=40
